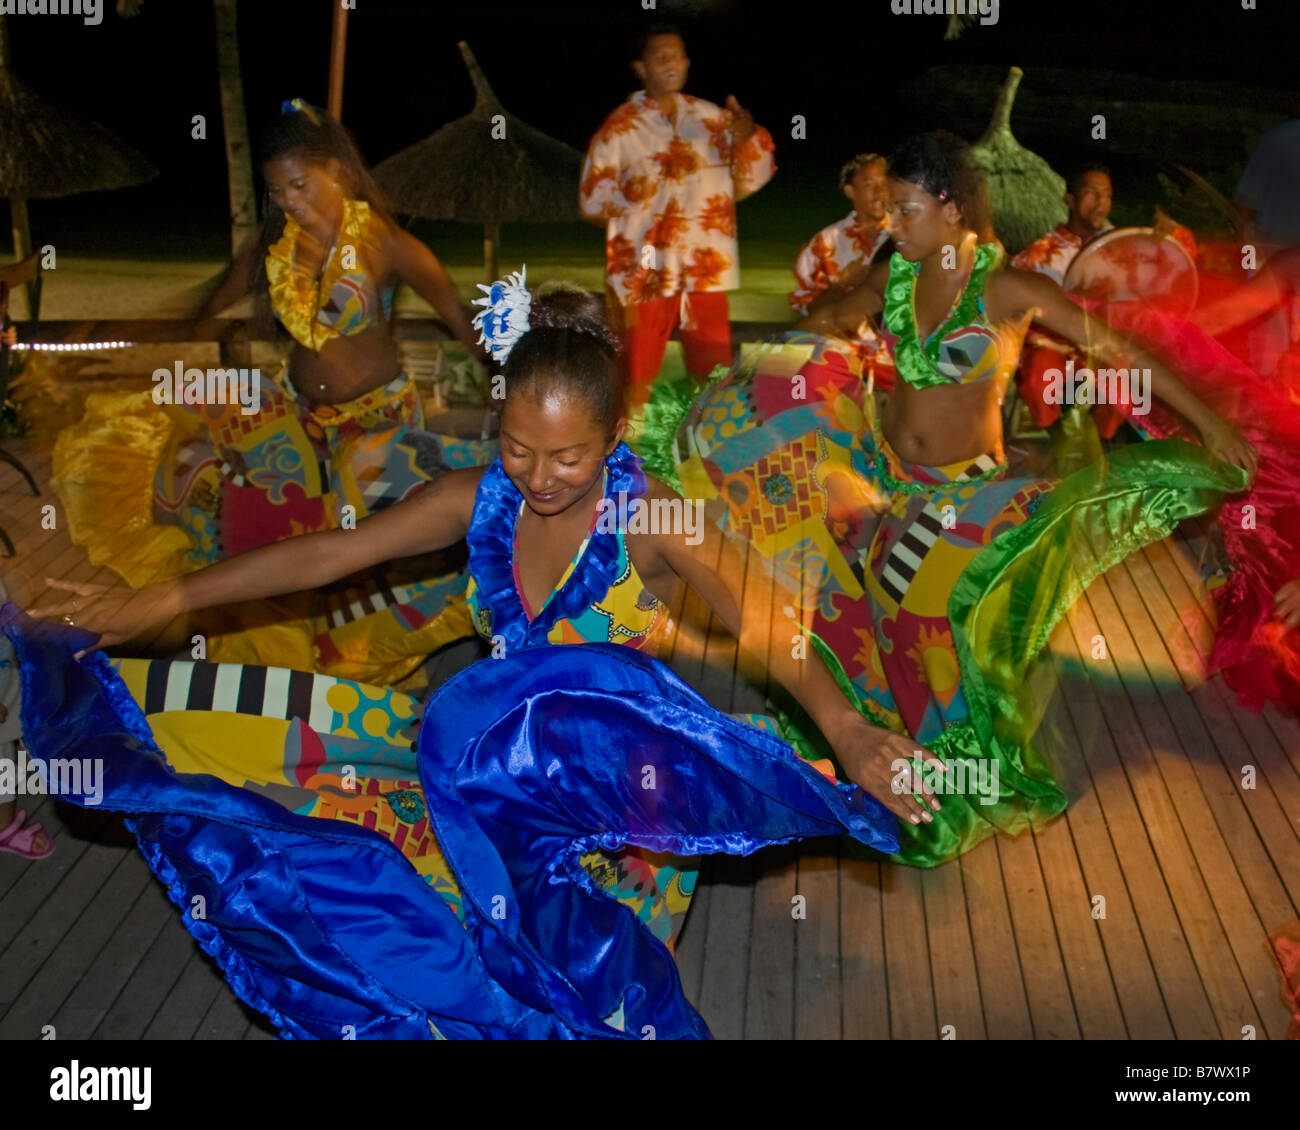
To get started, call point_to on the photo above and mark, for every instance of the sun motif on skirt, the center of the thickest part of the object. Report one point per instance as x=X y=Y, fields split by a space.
x=935 y=656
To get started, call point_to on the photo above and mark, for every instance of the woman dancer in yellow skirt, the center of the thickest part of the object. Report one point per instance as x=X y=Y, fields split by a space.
x=154 y=490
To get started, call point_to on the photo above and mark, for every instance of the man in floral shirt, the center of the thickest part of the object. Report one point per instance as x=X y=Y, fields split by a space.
x=836 y=259
x=662 y=175
x=1088 y=197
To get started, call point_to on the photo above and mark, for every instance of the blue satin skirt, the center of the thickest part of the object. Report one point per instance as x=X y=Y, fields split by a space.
x=527 y=763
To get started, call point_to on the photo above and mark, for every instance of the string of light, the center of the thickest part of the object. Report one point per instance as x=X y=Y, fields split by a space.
x=70 y=346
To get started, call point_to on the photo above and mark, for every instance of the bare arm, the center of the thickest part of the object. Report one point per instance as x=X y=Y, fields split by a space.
x=843 y=317
x=438 y=516
x=234 y=284
x=1012 y=294
x=868 y=753
x=419 y=267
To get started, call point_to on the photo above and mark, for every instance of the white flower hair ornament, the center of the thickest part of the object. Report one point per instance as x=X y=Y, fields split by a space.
x=505 y=317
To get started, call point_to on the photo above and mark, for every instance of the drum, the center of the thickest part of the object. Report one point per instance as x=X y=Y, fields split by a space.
x=1135 y=264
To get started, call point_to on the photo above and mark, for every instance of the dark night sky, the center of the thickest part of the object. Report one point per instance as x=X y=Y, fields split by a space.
x=561 y=64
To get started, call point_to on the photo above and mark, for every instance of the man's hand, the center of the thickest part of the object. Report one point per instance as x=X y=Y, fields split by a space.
x=1286 y=604
x=741 y=123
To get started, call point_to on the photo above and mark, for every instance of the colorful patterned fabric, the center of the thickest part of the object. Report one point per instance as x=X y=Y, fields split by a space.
x=667 y=190
x=317 y=745
x=327 y=928
x=606 y=602
x=964 y=347
x=1051 y=253
x=626 y=612
x=338 y=298
x=833 y=249
x=155 y=493
x=928 y=590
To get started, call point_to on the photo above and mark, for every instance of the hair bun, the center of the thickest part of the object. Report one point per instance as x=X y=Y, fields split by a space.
x=566 y=306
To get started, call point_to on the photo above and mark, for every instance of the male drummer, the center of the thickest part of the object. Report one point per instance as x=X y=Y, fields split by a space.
x=838 y=257
x=662 y=176
x=1088 y=197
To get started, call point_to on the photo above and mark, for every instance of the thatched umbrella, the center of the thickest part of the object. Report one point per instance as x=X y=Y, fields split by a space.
x=48 y=150
x=1025 y=191
x=488 y=168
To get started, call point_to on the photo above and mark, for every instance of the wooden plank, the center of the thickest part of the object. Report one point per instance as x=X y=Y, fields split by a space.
x=260 y=1029
x=129 y=1015
x=40 y=1000
x=38 y=934
x=1051 y=1006
x=1128 y=965
x=1129 y=793
x=1002 y=980
x=228 y=1018
x=180 y=1013
x=725 y=971
x=865 y=1002
x=1212 y=952
x=1224 y=841
x=39 y=882
x=907 y=955
x=957 y=1003
x=769 y=996
x=818 y=1013
x=107 y=975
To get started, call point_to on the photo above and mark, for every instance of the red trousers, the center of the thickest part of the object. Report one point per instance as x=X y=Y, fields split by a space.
x=1032 y=381
x=645 y=327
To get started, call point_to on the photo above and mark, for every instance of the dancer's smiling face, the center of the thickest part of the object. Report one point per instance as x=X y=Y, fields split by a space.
x=919 y=223
x=553 y=448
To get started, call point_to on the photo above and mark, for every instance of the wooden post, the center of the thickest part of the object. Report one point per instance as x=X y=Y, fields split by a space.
x=22 y=232
x=234 y=127
x=338 y=51
x=491 y=246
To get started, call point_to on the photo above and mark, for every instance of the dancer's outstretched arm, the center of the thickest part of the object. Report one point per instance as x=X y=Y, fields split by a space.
x=1011 y=294
x=438 y=516
x=869 y=754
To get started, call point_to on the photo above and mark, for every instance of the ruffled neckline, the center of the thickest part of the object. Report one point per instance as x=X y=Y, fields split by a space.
x=295 y=293
x=918 y=362
x=491 y=541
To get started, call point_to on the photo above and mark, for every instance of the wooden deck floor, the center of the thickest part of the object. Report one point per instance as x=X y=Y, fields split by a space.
x=1193 y=868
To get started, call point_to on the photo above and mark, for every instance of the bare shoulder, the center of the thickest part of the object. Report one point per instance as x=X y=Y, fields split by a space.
x=1010 y=291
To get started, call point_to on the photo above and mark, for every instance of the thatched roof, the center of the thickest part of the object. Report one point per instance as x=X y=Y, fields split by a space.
x=462 y=172
x=48 y=150
x=1025 y=191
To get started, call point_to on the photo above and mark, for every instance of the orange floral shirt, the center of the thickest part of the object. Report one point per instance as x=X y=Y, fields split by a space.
x=829 y=252
x=667 y=192
x=1051 y=254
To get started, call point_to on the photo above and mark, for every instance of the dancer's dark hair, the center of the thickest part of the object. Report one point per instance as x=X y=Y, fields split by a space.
x=569 y=351
x=940 y=163
x=310 y=133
